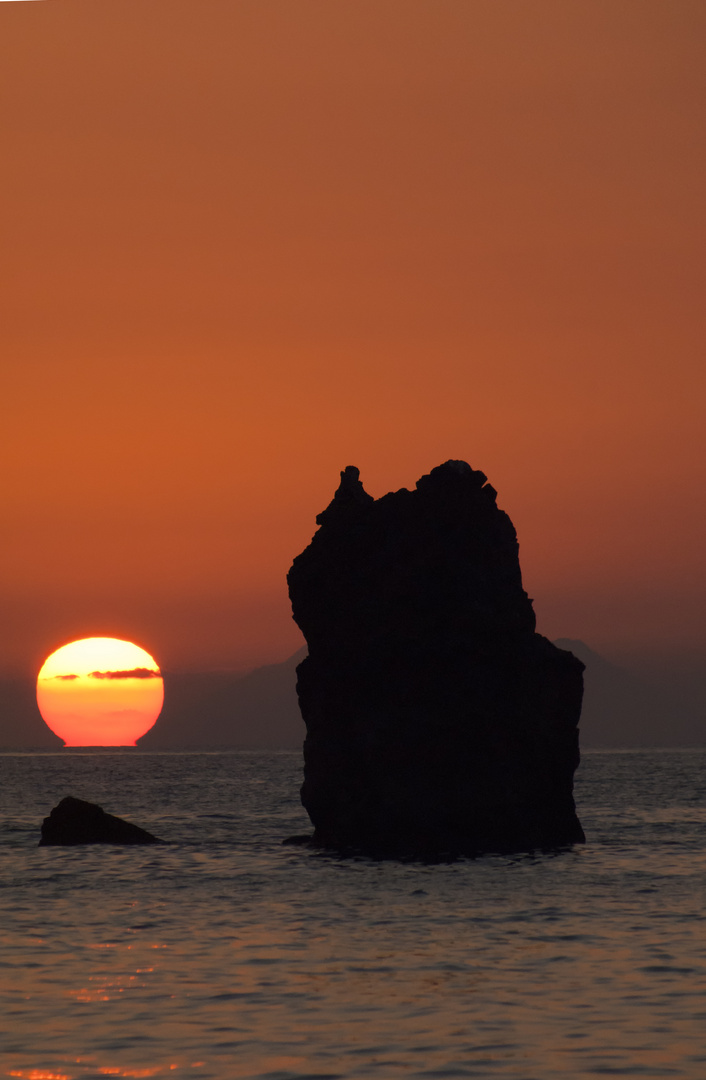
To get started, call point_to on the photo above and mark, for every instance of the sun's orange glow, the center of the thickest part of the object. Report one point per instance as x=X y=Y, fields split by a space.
x=100 y=691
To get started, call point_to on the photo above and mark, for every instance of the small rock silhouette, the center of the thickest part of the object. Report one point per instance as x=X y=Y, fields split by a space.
x=75 y=821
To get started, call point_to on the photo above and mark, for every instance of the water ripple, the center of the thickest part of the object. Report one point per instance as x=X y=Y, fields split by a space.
x=225 y=955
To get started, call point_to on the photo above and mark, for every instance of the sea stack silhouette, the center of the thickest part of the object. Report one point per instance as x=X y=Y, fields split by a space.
x=439 y=723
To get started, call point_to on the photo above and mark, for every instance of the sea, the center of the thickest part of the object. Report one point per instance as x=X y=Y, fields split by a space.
x=226 y=954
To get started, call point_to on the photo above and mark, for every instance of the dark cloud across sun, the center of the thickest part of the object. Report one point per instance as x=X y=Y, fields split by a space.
x=132 y=673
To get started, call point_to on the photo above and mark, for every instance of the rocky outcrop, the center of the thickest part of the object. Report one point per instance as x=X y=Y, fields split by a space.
x=438 y=721
x=75 y=821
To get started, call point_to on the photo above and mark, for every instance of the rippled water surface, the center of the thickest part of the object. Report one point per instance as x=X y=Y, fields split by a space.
x=228 y=955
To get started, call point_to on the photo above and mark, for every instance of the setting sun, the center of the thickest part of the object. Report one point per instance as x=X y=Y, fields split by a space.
x=100 y=692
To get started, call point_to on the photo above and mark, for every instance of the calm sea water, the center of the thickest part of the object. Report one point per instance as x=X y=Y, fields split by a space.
x=228 y=955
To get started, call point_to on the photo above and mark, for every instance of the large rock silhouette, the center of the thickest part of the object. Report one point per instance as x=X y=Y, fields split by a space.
x=438 y=722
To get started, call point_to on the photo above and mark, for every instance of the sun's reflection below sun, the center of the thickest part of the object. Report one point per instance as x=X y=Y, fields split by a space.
x=100 y=1070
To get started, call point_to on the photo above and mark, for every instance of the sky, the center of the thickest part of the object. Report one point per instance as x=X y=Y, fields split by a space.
x=246 y=244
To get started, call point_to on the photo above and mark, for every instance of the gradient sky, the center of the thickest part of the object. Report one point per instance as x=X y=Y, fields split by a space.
x=246 y=244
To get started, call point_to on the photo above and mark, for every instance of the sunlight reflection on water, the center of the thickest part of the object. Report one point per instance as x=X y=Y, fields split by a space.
x=226 y=955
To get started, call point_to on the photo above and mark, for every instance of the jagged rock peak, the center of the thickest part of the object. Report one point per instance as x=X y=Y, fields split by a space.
x=452 y=472
x=350 y=495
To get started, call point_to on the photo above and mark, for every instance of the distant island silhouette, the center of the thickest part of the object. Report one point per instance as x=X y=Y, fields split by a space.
x=438 y=720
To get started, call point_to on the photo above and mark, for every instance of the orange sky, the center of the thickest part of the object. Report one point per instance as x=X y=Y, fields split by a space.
x=246 y=244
